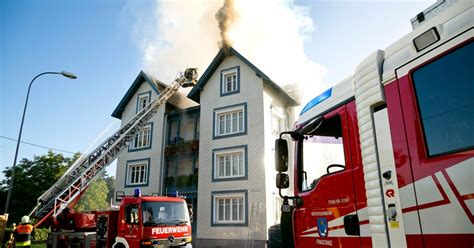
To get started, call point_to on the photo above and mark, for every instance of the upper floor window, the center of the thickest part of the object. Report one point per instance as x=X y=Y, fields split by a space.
x=143 y=138
x=444 y=90
x=173 y=131
x=278 y=123
x=230 y=81
x=230 y=120
x=196 y=133
x=143 y=100
x=137 y=172
x=230 y=163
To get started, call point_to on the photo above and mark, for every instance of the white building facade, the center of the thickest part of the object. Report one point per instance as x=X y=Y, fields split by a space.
x=244 y=111
x=228 y=140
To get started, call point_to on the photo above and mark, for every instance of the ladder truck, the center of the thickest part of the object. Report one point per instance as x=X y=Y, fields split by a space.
x=385 y=158
x=70 y=187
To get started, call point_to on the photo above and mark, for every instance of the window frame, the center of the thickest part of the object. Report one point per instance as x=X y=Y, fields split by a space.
x=414 y=96
x=140 y=96
x=231 y=194
x=133 y=148
x=229 y=151
x=340 y=113
x=278 y=117
x=128 y=171
x=229 y=110
x=223 y=74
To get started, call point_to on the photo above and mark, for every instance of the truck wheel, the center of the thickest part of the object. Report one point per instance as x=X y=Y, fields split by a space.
x=119 y=245
x=287 y=228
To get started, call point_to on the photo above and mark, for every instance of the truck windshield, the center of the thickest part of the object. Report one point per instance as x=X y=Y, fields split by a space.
x=317 y=150
x=165 y=213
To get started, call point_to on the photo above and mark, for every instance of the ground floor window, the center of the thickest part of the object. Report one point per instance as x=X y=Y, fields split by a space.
x=230 y=207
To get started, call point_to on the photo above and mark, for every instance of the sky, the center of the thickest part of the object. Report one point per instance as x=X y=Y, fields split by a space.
x=107 y=42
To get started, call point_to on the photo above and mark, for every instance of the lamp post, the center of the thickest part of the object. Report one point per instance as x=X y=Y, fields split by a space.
x=10 y=188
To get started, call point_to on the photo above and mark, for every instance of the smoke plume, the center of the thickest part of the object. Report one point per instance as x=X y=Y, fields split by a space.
x=270 y=33
x=225 y=17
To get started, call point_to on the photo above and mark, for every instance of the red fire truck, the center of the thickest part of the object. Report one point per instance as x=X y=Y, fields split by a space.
x=386 y=157
x=140 y=221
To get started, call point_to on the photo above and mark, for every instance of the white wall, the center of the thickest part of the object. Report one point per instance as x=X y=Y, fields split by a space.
x=251 y=92
x=154 y=153
x=274 y=105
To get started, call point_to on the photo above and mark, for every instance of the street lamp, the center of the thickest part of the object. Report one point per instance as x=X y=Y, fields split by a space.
x=10 y=188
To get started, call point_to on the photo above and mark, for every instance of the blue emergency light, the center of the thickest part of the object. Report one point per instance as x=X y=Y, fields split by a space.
x=323 y=96
x=137 y=193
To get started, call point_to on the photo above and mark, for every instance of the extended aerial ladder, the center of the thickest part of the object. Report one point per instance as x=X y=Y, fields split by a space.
x=68 y=189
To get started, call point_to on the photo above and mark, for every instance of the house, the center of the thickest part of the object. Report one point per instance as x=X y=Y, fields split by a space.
x=218 y=153
x=141 y=165
x=243 y=111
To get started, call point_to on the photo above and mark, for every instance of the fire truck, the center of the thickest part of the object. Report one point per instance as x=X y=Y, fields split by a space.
x=385 y=158
x=140 y=221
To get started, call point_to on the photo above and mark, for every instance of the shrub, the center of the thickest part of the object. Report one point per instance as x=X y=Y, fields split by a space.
x=41 y=234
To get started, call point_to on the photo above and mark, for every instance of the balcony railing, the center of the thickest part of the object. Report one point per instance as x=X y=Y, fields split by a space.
x=182 y=148
x=183 y=183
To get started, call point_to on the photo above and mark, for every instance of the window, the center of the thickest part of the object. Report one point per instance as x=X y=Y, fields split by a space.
x=230 y=121
x=173 y=132
x=320 y=148
x=143 y=138
x=278 y=123
x=143 y=100
x=229 y=207
x=131 y=214
x=277 y=203
x=196 y=134
x=230 y=81
x=137 y=172
x=444 y=90
x=230 y=163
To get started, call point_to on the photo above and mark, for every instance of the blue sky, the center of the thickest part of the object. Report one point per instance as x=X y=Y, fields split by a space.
x=98 y=41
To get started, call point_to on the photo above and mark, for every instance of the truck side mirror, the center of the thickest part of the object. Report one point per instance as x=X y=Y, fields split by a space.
x=282 y=181
x=281 y=155
x=119 y=196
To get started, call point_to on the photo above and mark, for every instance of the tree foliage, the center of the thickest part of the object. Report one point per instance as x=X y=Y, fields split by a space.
x=98 y=195
x=32 y=178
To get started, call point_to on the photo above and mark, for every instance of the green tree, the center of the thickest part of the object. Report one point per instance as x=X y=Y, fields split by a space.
x=32 y=178
x=98 y=195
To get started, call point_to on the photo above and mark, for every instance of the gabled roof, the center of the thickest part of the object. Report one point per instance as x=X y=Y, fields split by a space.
x=178 y=99
x=156 y=85
x=221 y=55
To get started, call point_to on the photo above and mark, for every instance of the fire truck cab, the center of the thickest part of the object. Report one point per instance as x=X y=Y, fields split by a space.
x=386 y=157
x=152 y=221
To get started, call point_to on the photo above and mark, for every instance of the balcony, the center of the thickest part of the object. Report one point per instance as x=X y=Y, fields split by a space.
x=184 y=183
x=182 y=148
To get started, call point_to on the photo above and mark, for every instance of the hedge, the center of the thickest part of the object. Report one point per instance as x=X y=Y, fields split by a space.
x=41 y=234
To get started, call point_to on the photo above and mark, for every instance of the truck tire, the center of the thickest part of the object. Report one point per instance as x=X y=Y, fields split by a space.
x=119 y=245
x=286 y=226
x=274 y=237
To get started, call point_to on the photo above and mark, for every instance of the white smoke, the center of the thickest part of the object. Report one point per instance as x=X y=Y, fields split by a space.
x=269 y=33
